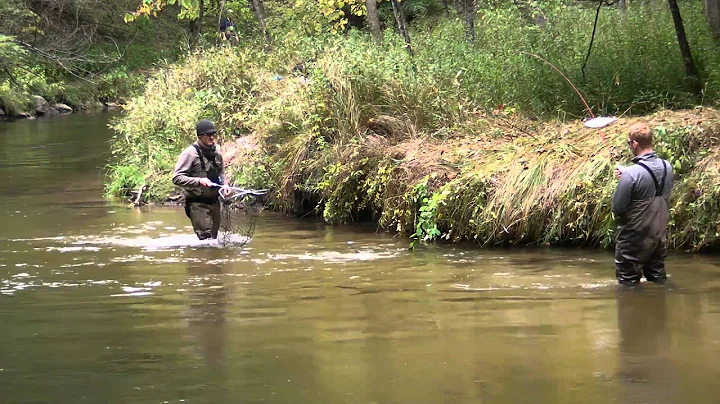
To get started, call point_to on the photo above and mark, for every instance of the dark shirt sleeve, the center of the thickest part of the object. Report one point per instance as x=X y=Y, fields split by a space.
x=623 y=195
x=181 y=174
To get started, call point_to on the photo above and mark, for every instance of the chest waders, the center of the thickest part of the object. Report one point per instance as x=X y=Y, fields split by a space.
x=213 y=174
x=204 y=212
x=641 y=244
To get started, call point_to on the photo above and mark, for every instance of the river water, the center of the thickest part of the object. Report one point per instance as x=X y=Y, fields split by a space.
x=104 y=303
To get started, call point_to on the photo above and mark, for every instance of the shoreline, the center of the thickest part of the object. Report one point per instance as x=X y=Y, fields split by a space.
x=550 y=190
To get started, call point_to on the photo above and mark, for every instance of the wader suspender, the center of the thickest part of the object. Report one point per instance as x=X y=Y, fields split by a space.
x=659 y=187
x=202 y=161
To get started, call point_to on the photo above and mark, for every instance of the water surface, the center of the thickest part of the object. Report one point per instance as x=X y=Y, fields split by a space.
x=104 y=303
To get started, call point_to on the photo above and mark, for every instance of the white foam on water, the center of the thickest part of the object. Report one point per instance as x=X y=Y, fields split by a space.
x=598 y=285
x=176 y=241
x=132 y=294
x=474 y=289
x=72 y=249
x=37 y=239
x=130 y=289
x=335 y=256
x=83 y=264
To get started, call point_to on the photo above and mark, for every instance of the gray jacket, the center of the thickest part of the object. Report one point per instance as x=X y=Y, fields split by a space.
x=188 y=172
x=637 y=185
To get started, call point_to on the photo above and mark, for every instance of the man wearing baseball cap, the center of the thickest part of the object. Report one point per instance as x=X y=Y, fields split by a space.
x=200 y=172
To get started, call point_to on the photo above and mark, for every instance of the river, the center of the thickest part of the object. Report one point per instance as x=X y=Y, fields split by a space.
x=101 y=302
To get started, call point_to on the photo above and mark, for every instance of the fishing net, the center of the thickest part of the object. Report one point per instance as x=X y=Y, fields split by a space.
x=238 y=215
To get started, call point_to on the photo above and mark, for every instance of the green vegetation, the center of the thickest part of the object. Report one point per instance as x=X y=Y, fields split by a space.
x=77 y=51
x=462 y=141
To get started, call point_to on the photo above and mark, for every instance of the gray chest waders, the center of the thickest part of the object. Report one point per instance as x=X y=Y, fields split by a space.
x=641 y=245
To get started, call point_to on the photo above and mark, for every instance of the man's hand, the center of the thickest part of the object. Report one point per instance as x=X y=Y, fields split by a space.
x=225 y=190
x=206 y=182
x=618 y=171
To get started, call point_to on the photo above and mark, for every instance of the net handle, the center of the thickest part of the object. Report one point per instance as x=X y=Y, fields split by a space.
x=239 y=192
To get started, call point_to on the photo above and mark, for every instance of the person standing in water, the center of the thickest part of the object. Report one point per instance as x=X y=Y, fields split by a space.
x=200 y=171
x=641 y=206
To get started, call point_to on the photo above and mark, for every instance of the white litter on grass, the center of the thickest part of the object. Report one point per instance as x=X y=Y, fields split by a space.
x=599 y=122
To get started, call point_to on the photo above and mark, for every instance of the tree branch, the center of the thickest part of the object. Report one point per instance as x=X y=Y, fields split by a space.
x=54 y=58
x=592 y=38
x=9 y=73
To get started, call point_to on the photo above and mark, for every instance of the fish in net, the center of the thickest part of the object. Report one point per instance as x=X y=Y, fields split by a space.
x=238 y=214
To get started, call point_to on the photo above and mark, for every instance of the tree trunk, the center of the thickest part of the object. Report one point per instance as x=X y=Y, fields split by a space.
x=402 y=26
x=712 y=14
x=192 y=27
x=470 y=12
x=222 y=11
x=622 y=5
x=459 y=7
x=201 y=15
x=259 y=10
x=446 y=8
x=195 y=26
x=691 y=74
x=373 y=20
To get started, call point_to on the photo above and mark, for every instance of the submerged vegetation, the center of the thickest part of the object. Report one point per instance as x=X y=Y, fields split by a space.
x=462 y=140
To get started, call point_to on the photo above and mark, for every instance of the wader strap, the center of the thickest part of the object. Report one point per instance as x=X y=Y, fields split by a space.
x=213 y=174
x=659 y=187
x=202 y=161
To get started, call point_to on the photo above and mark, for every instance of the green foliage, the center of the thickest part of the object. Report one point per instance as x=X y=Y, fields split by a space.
x=119 y=82
x=12 y=101
x=8 y=48
x=695 y=215
x=428 y=214
x=67 y=53
x=216 y=85
x=15 y=91
x=124 y=179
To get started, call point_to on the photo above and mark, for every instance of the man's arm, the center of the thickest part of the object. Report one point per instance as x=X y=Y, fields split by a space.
x=181 y=174
x=669 y=181
x=623 y=195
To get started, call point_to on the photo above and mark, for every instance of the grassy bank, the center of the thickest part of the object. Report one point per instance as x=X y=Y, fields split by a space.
x=462 y=142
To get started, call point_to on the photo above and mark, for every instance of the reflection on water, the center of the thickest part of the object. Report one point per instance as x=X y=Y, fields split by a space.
x=208 y=299
x=646 y=369
x=102 y=302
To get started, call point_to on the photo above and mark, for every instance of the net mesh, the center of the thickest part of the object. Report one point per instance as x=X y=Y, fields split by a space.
x=237 y=219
